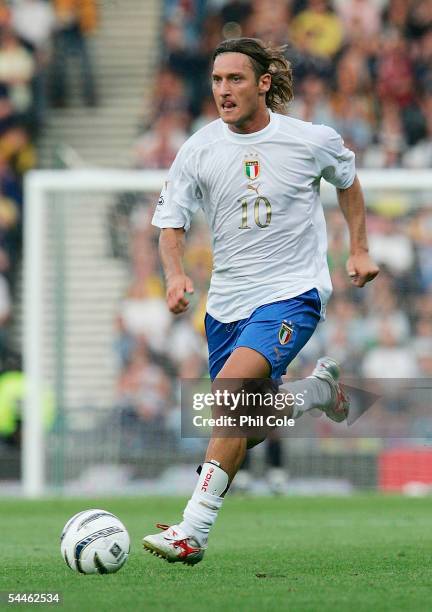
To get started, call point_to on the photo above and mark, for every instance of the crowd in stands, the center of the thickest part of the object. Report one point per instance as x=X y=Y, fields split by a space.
x=37 y=37
x=361 y=66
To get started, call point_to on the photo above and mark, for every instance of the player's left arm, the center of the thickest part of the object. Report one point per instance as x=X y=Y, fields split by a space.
x=360 y=266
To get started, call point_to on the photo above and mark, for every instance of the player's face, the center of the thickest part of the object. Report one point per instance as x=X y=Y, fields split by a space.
x=240 y=100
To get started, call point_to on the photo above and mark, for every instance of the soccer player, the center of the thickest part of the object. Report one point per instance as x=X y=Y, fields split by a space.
x=256 y=175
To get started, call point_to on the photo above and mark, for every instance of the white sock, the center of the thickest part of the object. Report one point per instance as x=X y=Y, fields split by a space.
x=203 y=507
x=315 y=392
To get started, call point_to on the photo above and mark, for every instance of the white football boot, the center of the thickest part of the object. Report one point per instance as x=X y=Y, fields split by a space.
x=328 y=369
x=174 y=545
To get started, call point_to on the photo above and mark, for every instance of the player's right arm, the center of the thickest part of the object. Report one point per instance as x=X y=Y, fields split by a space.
x=178 y=284
x=177 y=204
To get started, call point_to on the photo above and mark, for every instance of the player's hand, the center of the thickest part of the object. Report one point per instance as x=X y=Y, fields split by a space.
x=361 y=269
x=177 y=287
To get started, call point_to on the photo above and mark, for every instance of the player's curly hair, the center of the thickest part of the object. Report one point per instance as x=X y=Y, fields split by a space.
x=265 y=59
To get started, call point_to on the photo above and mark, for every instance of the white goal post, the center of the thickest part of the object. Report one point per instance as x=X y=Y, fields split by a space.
x=38 y=186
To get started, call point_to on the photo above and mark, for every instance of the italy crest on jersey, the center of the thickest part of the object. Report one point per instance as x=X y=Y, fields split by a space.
x=285 y=333
x=252 y=168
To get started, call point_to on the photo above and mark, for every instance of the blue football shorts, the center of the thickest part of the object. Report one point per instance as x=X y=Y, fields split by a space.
x=278 y=331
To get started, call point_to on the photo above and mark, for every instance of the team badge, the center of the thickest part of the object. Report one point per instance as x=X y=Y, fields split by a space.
x=285 y=333
x=252 y=168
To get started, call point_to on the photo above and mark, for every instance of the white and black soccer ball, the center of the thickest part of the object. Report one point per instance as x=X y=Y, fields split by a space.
x=95 y=542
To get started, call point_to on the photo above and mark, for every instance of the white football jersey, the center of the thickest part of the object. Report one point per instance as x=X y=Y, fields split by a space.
x=260 y=195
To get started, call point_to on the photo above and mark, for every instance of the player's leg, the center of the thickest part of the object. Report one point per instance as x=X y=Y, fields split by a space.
x=174 y=544
x=224 y=455
x=187 y=541
x=321 y=390
x=264 y=345
x=244 y=363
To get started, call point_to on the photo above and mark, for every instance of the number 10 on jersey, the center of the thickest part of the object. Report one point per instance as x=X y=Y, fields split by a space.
x=260 y=203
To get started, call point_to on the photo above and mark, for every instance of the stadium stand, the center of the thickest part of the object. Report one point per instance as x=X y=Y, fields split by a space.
x=19 y=121
x=362 y=66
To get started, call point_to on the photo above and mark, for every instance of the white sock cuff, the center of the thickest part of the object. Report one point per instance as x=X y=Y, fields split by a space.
x=213 y=480
x=205 y=503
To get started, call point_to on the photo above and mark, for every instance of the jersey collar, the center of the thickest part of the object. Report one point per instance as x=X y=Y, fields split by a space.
x=254 y=137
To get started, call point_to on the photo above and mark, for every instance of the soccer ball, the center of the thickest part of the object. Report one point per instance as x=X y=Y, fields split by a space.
x=95 y=542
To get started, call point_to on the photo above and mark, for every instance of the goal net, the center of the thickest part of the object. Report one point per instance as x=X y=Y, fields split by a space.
x=103 y=356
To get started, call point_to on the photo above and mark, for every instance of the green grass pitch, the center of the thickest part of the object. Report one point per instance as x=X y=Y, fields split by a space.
x=302 y=554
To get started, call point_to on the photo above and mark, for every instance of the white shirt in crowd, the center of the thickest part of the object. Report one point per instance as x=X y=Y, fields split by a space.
x=260 y=195
x=33 y=20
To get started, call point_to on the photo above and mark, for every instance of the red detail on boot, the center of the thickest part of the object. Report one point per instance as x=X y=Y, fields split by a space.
x=187 y=550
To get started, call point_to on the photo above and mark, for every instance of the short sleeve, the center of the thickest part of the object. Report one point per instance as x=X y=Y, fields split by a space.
x=336 y=162
x=180 y=196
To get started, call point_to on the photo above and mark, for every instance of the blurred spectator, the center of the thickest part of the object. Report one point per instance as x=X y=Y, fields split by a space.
x=351 y=102
x=158 y=147
x=144 y=389
x=143 y=313
x=391 y=140
x=396 y=13
x=170 y=94
x=33 y=21
x=422 y=54
x=268 y=20
x=390 y=246
x=394 y=72
x=190 y=14
x=359 y=17
x=17 y=68
x=318 y=30
x=389 y=351
x=17 y=150
x=9 y=241
x=75 y=20
x=235 y=11
x=12 y=394
x=185 y=62
x=10 y=184
x=421 y=233
x=312 y=103
x=208 y=113
x=422 y=341
x=420 y=155
x=419 y=21
x=386 y=310
x=344 y=330
x=5 y=311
